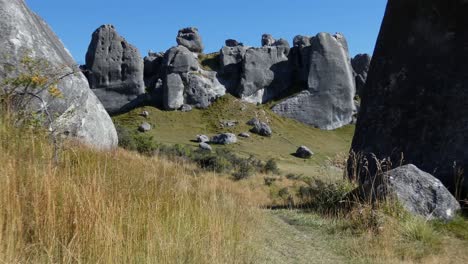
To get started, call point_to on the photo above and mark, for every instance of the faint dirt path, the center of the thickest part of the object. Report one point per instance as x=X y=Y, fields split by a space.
x=284 y=242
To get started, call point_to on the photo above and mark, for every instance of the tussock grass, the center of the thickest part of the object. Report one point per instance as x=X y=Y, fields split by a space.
x=115 y=207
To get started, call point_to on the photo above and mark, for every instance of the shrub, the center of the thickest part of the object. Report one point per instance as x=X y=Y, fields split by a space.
x=244 y=170
x=271 y=167
x=126 y=139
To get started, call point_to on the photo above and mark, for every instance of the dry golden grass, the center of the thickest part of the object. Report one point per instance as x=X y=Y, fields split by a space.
x=115 y=207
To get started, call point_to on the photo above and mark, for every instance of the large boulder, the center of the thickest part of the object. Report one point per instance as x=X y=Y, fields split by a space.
x=185 y=82
x=327 y=103
x=153 y=75
x=189 y=38
x=79 y=113
x=417 y=191
x=414 y=107
x=224 y=139
x=361 y=64
x=114 y=69
x=261 y=128
x=266 y=72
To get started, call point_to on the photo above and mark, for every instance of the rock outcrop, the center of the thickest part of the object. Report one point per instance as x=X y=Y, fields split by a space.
x=231 y=58
x=417 y=191
x=114 y=69
x=185 y=82
x=327 y=103
x=266 y=72
x=361 y=64
x=414 y=104
x=224 y=139
x=153 y=75
x=79 y=113
x=189 y=38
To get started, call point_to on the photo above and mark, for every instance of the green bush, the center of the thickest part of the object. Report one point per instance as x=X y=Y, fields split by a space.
x=271 y=167
x=244 y=170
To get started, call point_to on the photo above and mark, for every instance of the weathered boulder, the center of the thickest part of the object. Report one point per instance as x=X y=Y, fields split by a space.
x=203 y=88
x=114 y=69
x=361 y=64
x=267 y=40
x=180 y=60
x=202 y=138
x=144 y=114
x=189 y=38
x=414 y=104
x=266 y=73
x=79 y=113
x=185 y=82
x=261 y=128
x=304 y=152
x=224 y=139
x=232 y=43
x=144 y=127
x=301 y=41
x=328 y=101
x=417 y=191
x=205 y=146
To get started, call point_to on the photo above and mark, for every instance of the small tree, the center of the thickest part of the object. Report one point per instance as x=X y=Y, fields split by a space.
x=25 y=97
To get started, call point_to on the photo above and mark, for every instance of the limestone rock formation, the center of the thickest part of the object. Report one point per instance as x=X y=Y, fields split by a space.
x=414 y=103
x=418 y=192
x=190 y=38
x=115 y=69
x=185 y=82
x=327 y=103
x=144 y=127
x=231 y=58
x=361 y=64
x=79 y=113
x=266 y=72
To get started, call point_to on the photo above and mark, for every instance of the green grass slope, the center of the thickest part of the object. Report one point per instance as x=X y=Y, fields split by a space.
x=175 y=127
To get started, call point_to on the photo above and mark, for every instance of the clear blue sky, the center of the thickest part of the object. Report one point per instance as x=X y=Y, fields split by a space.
x=153 y=24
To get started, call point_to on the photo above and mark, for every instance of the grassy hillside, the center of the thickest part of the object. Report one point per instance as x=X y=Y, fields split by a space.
x=115 y=207
x=180 y=128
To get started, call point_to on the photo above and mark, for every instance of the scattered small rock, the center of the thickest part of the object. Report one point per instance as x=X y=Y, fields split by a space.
x=252 y=121
x=224 y=139
x=145 y=127
x=304 y=152
x=205 y=146
x=144 y=114
x=244 y=135
x=261 y=129
x=203 y=138
x=229 y=123
x=186 y=108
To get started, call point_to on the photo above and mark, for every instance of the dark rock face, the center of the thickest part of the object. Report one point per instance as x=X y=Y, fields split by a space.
x=415 y=100
x=361 y=63
x=153 y=74
x=327 y=103
x=189 y=38
x=419 y=192
x=115 y=69
x=231 y=67
x=79 y=113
